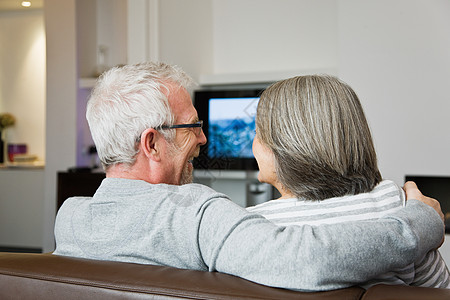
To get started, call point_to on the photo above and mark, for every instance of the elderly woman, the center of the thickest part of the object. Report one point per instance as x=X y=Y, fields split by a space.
x=314 y=145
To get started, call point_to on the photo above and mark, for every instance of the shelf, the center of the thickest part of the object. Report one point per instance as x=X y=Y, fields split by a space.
x=24 y=165
x=258 y=77
x=87 y=82
x=235 y=78
x=225 y=174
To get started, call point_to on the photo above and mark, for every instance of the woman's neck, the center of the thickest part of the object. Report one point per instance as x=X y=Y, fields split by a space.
x=285 y=193
x=286 y=196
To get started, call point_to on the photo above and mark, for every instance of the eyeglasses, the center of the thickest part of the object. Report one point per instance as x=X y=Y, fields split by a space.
x=197 y=127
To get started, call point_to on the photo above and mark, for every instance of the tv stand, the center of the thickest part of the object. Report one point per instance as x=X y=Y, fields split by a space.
x=242 y=186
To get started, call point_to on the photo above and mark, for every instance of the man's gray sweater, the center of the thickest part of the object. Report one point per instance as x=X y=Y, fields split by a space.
x=193 y=227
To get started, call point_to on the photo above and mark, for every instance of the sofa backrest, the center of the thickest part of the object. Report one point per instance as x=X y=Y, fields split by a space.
x=47 y=276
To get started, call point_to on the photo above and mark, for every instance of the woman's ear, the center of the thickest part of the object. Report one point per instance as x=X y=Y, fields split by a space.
x=150 y=144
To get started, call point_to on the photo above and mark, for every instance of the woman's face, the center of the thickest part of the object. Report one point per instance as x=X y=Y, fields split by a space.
x=266 y=162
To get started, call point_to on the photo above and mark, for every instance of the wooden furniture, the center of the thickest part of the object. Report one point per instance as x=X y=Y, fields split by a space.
x=72 y=184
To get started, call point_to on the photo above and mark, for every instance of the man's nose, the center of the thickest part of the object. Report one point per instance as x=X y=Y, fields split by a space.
x=202 y=138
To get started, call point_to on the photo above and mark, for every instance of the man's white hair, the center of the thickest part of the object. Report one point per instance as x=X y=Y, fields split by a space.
x=126 y=101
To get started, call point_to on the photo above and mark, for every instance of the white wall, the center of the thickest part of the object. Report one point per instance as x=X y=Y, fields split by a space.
x=61 y=110
x=267 y=35
x=22 y=77
x=395 y=54
x=185 y=34
x=398 y=61
x=214 y=37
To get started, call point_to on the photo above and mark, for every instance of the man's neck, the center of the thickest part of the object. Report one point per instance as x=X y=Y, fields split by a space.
x=122 y=171
x=137 y=172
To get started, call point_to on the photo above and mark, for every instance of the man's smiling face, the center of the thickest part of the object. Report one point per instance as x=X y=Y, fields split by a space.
x=186 y=145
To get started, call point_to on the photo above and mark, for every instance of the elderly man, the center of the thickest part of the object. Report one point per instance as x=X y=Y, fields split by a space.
x=147 y=133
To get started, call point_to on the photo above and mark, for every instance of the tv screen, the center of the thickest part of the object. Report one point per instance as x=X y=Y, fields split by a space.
x=229 y=125
x=437 y=187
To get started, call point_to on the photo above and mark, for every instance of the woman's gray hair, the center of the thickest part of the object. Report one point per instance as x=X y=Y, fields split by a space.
x=125 y=102
x=316 y=128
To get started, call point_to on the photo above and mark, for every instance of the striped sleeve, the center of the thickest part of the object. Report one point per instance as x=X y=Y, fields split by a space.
x=385 y=198
x=431 y=271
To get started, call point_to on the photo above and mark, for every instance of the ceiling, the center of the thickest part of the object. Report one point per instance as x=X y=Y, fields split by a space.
x=15 y=5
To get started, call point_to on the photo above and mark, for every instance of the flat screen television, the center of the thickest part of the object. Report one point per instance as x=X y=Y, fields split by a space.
x=437 y=187
x=229 y=124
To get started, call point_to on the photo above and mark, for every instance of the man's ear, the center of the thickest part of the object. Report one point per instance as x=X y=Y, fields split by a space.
x=151 y=144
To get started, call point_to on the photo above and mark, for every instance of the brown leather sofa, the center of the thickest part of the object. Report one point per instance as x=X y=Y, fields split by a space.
x=46 y=276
